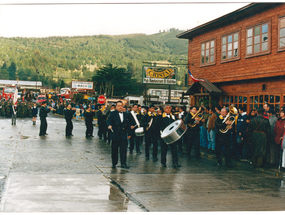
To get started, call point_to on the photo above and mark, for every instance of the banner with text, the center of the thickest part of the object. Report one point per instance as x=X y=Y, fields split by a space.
x=82 y=85
x=159 y=75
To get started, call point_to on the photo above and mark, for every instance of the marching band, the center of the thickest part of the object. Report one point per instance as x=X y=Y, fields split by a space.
x=152 y=127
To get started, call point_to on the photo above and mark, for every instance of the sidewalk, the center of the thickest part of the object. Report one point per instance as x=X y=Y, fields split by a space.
x=236 y=162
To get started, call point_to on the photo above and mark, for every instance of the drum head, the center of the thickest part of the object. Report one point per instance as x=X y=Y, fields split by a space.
x=139 y=130
x=171 y=128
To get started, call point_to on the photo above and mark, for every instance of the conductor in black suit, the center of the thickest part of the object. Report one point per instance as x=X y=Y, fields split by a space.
x=118 y=123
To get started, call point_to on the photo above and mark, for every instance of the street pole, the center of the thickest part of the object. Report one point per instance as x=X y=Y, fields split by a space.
x=169 y=93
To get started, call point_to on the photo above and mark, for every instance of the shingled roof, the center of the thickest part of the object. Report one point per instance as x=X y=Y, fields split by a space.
x=211 y=88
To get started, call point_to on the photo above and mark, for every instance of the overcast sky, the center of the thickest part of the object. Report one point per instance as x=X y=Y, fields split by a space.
x=36 y=19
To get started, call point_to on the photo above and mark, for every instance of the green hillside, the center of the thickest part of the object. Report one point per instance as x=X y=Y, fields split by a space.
x=70 y=58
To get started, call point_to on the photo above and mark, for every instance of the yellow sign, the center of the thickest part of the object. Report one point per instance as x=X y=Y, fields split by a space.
x=159 y=74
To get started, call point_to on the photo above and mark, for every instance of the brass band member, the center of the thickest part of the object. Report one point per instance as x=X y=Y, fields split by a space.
x=68 y=115
x=43 y=115
x=166 y=119
x=150 y=125
x=135 y=123
x=102 y=122
x=88 y=115
x=113 y=108
x=223 y=139
x=192 y=135
x=181 y=115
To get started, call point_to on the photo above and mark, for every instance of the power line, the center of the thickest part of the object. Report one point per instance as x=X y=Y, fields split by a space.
x=112 y=3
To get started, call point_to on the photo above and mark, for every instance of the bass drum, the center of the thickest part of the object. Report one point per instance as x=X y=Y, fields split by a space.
x=173 y=132
x=139 y=132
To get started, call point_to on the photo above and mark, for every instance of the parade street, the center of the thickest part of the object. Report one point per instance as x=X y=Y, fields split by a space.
x=58 y=174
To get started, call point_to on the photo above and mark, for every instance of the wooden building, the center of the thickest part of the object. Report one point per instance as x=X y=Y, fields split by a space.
x=242 y=56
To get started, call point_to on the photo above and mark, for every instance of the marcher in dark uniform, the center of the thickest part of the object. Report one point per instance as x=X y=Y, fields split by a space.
x=181 y=115
x=43 y=115
x=69 y=112
x=192 y=135
x=88 y=115
x=14 y=114
x=118 y=123
x=166 y=119
x=102 y=122
x=34 y=113
x=135 y=123
x=113 y=108
x=259 y=134
x=223 y=139
x=141 y=113
x=151 y=131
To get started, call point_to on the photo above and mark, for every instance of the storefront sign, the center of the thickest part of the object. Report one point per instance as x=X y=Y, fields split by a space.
x=159 y=75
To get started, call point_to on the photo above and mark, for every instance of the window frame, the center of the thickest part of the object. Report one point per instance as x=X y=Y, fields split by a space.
x=268 y=51
x=279 y=49
x=239 y=47
x=215 y=47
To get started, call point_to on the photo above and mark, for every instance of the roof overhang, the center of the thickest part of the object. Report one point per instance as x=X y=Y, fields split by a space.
x=208 y=86
x=230 y=18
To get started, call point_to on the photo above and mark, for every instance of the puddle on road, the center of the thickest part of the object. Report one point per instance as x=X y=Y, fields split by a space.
x=80 y=193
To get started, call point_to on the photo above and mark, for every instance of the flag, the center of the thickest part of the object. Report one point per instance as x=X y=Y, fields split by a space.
x=15 y=99
x=194 y=79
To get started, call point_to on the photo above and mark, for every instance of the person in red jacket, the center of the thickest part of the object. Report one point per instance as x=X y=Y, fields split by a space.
x=279 y=130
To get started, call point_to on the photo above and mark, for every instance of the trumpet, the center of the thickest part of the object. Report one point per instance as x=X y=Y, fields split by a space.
x=230 y=117
x=197 y=114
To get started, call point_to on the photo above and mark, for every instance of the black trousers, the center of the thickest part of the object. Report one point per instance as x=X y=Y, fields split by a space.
x=134 y=139
x=69 y=127
x=43 y=126
x=223 y=141
x=192 y=138
x=89 y=128
x=116 y=144
x=164 y=149
x=151 y=138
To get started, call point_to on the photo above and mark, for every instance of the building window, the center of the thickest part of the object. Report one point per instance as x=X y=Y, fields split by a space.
x=258 y=101
x=237 y=101
x=281 y=34
x=208 y=53
x=230 y=46
x=257 y=40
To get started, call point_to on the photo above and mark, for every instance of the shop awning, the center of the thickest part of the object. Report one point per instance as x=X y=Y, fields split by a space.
x=209 y=88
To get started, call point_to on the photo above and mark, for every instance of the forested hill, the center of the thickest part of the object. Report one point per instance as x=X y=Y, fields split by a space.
x=67 y=58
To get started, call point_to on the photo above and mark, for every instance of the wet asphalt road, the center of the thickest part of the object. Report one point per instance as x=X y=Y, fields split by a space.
x=59 y=174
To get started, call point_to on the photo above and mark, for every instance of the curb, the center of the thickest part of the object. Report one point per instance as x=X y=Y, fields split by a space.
x=268 y=170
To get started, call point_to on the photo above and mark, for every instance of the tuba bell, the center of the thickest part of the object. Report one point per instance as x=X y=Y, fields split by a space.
x=199 y=115
x=230 y=117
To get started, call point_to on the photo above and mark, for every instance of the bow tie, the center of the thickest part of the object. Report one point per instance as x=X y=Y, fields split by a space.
x=121 y=112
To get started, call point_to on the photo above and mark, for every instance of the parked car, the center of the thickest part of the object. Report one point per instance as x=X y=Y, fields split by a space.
x=41 y=98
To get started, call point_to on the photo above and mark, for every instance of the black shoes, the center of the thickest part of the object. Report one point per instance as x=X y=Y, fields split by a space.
x=139 y=152
x=163 y=165
x=125 y=166
x=147 y=158
x=155 y=159
x=114 y=167
x=229 y=165
x=176 y=166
